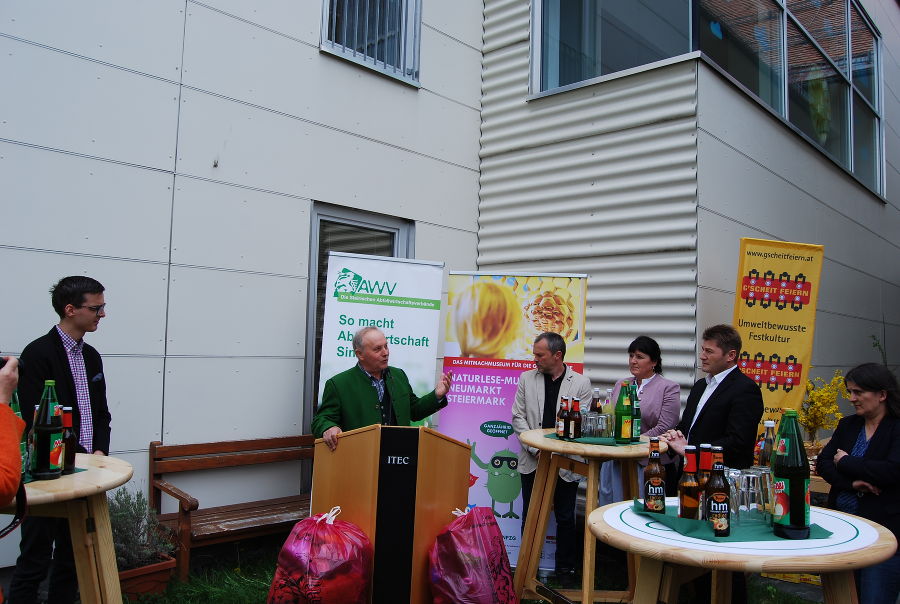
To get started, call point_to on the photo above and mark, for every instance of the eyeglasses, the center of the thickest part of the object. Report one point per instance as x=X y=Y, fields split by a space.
x=94 y=309
x=511 y=462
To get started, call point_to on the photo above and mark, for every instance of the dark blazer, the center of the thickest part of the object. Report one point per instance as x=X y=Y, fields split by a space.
x=730 y=418
x=349 y=401
x=46 y=359
x=879 y=466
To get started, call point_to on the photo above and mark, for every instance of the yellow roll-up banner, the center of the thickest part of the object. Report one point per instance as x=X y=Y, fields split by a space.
x=775 y=313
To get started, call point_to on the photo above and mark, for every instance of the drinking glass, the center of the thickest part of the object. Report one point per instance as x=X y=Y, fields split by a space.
x=767 y=493
x=756 y=493
x=733 y=475
x=609 y=423
x=751 y=495
x=589 y=426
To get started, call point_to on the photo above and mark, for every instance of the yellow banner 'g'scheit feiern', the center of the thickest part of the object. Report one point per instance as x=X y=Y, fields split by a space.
x=775 y=313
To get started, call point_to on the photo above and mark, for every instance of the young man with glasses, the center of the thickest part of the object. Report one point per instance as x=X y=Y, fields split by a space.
x=64 y=356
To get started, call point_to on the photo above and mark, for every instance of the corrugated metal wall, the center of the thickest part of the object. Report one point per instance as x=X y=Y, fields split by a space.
x=599 y=180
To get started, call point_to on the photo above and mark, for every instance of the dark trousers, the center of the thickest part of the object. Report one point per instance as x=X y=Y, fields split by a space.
x=38 y=556
x=564 y=511
x=671 y=479
x=703 y=585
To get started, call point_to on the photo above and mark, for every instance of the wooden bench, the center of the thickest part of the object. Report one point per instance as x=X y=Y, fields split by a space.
x=194 y=526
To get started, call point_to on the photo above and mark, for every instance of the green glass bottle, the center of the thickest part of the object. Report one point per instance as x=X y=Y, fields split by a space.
x=635 y=414
x=23 y=442
x=14 y=404
x=790 y=474
x=623 y=415
x=46 y=436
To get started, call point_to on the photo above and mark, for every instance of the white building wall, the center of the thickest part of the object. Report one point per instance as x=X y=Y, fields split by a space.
x=174 y=151
x=758 y=179
x=598 y=180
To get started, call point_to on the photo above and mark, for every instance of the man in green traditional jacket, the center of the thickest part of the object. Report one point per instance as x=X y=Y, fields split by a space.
x=373 y=393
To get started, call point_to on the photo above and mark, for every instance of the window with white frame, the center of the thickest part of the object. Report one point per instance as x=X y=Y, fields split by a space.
x=380 y=34
x=813 y=62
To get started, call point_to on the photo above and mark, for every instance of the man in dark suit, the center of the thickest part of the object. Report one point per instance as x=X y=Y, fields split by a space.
x=63 y=355
x=371 y=392
x=725 y=407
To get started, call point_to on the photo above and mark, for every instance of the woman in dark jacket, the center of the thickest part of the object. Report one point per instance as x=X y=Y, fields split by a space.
x=861 y=462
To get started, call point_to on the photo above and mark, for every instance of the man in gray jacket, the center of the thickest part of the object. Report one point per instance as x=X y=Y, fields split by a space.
x=536 y=406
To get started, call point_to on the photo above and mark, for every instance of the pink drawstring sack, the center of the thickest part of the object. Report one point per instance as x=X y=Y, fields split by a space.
x=323 y=561
x=468 y=561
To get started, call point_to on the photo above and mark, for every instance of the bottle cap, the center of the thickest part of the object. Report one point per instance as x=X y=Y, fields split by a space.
x=49 y=382
x=690 y=447
x=769 y=423
x=790 y=413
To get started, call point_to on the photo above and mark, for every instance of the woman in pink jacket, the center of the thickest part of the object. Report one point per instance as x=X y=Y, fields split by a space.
x=660 y=408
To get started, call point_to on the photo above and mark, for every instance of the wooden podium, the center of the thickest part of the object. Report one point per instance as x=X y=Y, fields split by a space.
x=400 y=486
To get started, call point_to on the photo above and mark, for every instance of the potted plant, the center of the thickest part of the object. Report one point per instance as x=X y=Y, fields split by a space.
x=143 y=547
x=819 y=409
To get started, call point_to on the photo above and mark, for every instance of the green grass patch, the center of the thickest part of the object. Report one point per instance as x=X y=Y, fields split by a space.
x=233 y=573
x=235 y=586
x=241 y=573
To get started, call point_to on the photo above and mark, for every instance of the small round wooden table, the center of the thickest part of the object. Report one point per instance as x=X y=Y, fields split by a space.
x=667 y=558
x=81 y=497
x=553 y=458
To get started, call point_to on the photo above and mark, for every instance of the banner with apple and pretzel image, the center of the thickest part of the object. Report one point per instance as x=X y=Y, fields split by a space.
x=491 y=322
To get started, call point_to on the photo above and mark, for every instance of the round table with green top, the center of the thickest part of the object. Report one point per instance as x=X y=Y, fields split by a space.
x=668 y=558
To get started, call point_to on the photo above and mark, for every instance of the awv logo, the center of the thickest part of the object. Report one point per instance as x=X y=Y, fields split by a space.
x=348 y=281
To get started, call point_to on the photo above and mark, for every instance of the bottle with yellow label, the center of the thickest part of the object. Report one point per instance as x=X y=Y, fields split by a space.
x=623 y=415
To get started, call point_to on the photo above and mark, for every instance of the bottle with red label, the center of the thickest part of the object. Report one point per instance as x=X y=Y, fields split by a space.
x=575 y=419
x=790 y=475
x=70 y=442
x=46 y=436
x=703 y=473
x=689 y=486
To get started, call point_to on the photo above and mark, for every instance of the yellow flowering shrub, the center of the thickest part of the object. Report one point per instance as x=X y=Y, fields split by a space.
x=819 y=409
